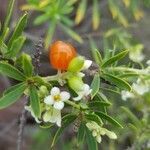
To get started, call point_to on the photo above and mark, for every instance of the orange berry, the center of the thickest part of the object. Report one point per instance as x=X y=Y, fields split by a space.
x=61 y=54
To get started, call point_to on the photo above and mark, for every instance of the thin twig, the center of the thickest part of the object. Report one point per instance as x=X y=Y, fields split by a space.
x=21 y=128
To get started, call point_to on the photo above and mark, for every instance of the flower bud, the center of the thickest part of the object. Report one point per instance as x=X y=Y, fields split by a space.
x=76 y=64
x=43 y=91
x=75 y=83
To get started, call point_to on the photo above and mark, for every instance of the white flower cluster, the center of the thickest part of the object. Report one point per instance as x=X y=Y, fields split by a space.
x=98 y=131
x=55 y=101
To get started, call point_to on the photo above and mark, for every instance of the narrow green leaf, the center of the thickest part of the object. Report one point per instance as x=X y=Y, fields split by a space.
x=34 y=101
x=66 y=121
x=27 y=65
x=12 y=96
x=114 y=59
x=81 y=133
x=41 y=19
x=102 y=97
x=128 y=75
x=50 y=33
x=81 y=11
x=117 y=81
x=5 y=34
x=94 y=117
x=15 y=47
x=98 y=104
x=108 y=118
x=91 y=141
x=72 y=34
x=67 y=21
x=132 y=117
x=96 y=15
x=12 y=88
x=3 y=47
x=18 y=30
x=8 y=16
x=11 y=71
x=95 y=85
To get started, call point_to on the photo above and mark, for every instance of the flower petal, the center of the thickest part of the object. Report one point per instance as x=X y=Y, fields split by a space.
x=111 y=134
x=55 y=91
x=77 y=98
x=59 y=105
x=28 y=108
x=87 y=64
x=49 y=100
x=64 y=96
x=57 y=117
x=98 y=139
x=47 y=117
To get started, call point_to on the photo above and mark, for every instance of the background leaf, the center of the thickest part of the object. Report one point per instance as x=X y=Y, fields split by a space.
x=95 y=85
x=117 y=81
x=108 y=118
x=91 y=141
x=114 y=59
x=18 y=30
x=11 y=71
x=12 y=96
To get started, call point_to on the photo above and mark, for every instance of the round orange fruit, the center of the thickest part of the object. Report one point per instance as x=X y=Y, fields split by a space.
x=61 y=54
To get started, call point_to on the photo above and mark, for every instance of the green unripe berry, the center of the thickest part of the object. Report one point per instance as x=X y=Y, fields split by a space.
x=76 y=64
x=75 y=83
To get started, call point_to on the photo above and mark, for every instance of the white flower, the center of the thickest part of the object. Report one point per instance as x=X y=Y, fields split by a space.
x=98 y=131
x=83 y=93
x=87 y=64
x=135 y=54
x=53 y=115
x=148 y=62
x=28 y=108
x=126 y=94
x=140 y=88
x=57 y=98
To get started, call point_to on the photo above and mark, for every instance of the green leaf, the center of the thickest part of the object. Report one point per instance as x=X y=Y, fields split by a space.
x=81 y=133
x=11 y=71
x=81 y=11
x=8 y=16
x=95 y=85
x=15 y=47
x=18 y=30
x=50 y=33
x=132 y=117
x=96 y=14
x=98 y=104
x=12 y=96
x=3 y=47
x=114 y=59
x=41 y=19
x=93 y=117
x=66 y=121
x=91 y=141
x=101 y=97
x=34 y=101
x=108 y=118
x=12 y=88
x=72 y=34
x=27 y=65
x=4 y=35
x=117 y=81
